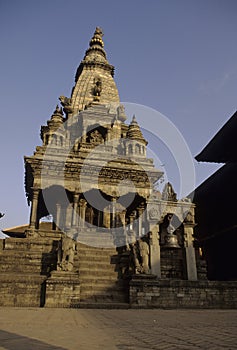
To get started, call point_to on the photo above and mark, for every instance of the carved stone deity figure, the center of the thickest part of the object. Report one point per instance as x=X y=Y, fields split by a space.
x=168 y=193
x=144 y=254
x=135 y=256
x=140 y=253
x=96 y=137
x=66 y=251
x=97 y=89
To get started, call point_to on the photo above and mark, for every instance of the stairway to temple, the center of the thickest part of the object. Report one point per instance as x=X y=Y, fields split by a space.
x=26 y=266
x=98 y=273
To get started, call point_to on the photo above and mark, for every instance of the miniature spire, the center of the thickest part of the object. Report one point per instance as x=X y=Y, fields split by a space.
x=57 y=117
x=58 y=111
x=96 y=44
x=134 y=121
x=134 y=131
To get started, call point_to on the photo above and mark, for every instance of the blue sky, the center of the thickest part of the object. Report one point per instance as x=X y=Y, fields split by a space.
x=178 y=57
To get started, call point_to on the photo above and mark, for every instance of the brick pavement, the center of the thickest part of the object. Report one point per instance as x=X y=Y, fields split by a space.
x=80 y=329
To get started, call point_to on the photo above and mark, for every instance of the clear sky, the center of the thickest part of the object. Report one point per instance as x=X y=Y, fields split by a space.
x=178 y=57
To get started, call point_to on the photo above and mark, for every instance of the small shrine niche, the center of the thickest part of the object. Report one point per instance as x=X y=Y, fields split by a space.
x=96 y=136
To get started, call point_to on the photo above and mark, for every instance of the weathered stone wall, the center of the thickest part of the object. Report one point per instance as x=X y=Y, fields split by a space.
x=153 y=293
x=21 y=290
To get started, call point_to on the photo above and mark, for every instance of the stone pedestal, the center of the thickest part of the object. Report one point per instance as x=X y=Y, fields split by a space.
x=62 y=289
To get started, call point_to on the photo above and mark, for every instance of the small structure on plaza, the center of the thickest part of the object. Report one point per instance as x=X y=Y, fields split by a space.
x=113 y=238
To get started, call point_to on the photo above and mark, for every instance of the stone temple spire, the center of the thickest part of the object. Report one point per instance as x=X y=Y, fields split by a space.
x=94 y=78
x=134 y=132
x=96 y=43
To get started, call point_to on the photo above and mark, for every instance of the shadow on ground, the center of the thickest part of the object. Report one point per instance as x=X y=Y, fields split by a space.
x=13 y=341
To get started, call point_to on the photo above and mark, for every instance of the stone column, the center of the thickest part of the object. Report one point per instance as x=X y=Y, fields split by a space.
x=82 y=210
x=155 y=250
x=75 y=206
x=131 y=220
x=83 y=138
x=34 y=208
x=68 y=220
x=113 y=203
x=140 y=220
x=58 y=215
x=190 y=252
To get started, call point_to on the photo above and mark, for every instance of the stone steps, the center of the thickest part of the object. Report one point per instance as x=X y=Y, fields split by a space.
x=103 y=297
x=96 y=239
x=99 y=282
x=28 y=244
x=102 y=305
x=25 y=261
x=109 y=278
x=96 y=259
x=87 y=249
x=99 y=285
x=98 y=273
x=96 y=265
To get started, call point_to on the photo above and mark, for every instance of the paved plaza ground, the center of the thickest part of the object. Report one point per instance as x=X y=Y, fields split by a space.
x=81 y=329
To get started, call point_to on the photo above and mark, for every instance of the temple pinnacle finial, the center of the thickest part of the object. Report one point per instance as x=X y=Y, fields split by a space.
x=97 y=38
x=134 y=121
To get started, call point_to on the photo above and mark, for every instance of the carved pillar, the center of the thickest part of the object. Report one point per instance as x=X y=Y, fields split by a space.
x=140 y=220
x=82 y=210
x=83 y=138
x=75 y=206
x=58 y=215
x=113 y=204
x=68 y=220
x=190 y=252
x=131 y=220
x=34 y=208
x=155 y=250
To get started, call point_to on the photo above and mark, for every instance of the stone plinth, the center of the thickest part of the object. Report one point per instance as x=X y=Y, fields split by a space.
x=62 y=289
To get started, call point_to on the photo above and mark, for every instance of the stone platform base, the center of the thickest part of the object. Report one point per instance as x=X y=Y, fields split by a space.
x=148 y=292
x=62 y=289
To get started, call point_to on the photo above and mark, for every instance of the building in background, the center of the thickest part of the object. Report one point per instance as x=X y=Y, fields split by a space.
x=216 y=205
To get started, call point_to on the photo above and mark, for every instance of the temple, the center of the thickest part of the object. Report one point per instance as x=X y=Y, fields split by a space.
x=113 y=238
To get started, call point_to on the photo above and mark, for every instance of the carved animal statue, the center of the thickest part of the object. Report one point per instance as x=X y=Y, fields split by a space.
x=65 y=101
